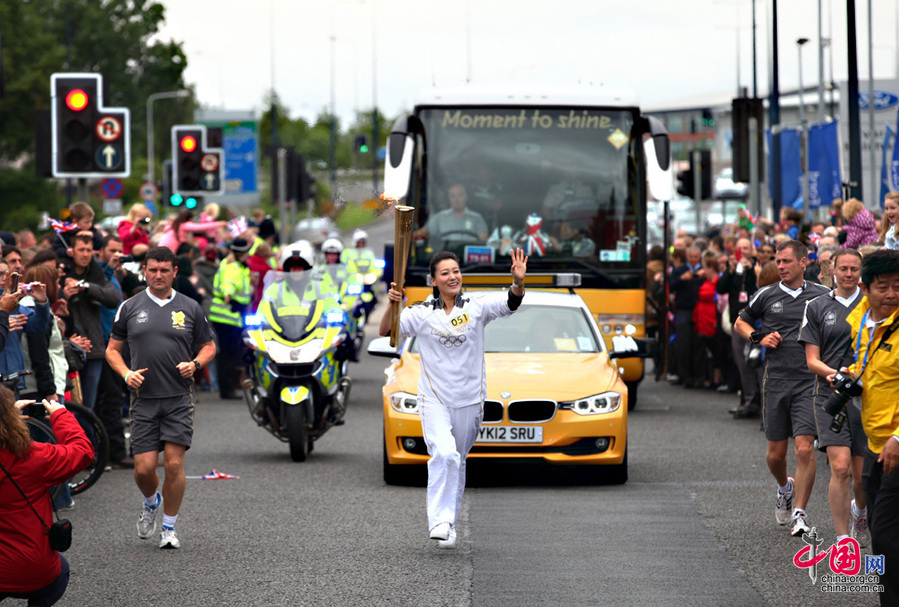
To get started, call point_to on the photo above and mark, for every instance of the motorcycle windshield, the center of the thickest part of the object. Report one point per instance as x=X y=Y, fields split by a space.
x=290 y=303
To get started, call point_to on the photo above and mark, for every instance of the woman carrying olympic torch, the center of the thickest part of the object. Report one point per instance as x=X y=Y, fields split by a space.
x=453 y=382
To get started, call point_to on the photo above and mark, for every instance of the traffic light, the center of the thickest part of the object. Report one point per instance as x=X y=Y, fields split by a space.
x=708 y=120
x=176 y=200
x=362 y=144
x=87 y=139
x=687 y=177
x=744 y=108
x=685 y=186
x=197 y=168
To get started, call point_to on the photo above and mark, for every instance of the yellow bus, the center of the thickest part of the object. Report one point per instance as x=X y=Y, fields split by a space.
x=564 y=173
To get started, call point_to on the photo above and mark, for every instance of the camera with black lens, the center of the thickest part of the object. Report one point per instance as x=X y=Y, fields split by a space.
x=845 y=388
x=145 y=221
x=126 y=259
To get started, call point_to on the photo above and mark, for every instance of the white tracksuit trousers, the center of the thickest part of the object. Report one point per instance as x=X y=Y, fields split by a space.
x=449 y=434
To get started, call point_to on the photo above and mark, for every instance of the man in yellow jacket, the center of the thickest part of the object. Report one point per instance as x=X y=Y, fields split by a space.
x=231 y=295
x=876 y=341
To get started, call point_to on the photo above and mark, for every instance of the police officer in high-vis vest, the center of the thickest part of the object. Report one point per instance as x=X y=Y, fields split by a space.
x=231 y=295
x=360 y=261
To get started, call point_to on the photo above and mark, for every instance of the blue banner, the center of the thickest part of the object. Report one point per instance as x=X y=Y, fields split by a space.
x=790 y=168
x=884 y=180
x=894 y=167
x=824 y=179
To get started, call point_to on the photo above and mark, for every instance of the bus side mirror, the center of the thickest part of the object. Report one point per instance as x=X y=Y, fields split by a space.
x=400 y=157
x=657 y=151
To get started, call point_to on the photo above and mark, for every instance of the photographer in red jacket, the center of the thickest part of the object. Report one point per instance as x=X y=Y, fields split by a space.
x=29 y=568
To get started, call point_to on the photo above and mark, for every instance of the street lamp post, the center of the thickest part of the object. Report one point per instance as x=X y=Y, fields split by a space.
x=151 y=169
x=804 y=145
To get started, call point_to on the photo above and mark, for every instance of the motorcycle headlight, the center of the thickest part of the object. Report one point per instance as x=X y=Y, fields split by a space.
x=335 y=317
x=354 y=289
x=379 y=263
x=404 y=402
x=594 y=405
x=283 y=354
x=370 y=278
x=252 y=320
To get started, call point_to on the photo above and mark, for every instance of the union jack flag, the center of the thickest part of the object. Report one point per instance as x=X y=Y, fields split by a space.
x=62 y=226
x=216 y=475
x=238 y=226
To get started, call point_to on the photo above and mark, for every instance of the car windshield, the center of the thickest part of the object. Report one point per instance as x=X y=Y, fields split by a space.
x=539 y=329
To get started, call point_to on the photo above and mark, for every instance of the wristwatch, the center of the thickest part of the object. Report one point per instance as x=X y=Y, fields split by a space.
x=196 y=363
x=757 y=336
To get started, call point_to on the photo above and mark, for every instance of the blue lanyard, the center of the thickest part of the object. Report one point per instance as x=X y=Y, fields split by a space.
x=858 y=342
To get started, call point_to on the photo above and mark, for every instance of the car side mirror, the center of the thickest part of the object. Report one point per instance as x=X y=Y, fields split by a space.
x=380 y=346
x=629 y=347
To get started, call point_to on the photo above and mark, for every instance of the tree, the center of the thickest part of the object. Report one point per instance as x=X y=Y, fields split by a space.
x=110 y=37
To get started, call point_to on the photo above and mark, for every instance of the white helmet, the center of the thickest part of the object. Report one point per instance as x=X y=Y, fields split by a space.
x=332 y=245
x=359 y=235
x=299 y=251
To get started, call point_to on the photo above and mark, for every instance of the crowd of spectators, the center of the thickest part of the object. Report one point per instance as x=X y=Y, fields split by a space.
x=88 y=272
x=712 y=276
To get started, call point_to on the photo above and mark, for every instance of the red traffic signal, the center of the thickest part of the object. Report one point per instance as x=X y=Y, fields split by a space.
x=188 y=143
x=76 y=100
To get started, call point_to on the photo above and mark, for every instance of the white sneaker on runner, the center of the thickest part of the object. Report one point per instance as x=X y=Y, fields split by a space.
x=168 y=539
x=449 y=542
x=441 y=531
x=783 y=505
x=146 y=523
x=858 y=528
x=799 y=525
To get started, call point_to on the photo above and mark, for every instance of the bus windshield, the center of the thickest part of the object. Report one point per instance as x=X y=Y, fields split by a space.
x=563 y=184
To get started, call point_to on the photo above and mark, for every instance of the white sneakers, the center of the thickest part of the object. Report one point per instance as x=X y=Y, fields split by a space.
x=858 y=528
x=168 y=539
x=449 y=542
x=441 y=531
x=146 y=523
x=799 y=525
x=783 y=506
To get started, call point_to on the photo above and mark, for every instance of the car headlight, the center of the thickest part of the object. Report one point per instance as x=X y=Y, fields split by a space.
x=594 y=405
x=404 y=402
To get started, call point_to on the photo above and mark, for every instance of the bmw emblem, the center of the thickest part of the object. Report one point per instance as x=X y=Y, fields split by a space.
x=505 y=394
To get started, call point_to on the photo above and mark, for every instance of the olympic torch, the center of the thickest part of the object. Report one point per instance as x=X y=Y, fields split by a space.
x=402 y=238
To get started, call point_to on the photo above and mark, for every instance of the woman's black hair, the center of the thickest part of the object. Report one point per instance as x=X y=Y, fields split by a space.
x=437 y=258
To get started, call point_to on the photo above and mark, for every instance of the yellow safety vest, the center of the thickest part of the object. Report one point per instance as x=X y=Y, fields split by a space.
x=231 y=279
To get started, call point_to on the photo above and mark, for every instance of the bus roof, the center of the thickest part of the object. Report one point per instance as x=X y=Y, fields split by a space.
x=520 y=95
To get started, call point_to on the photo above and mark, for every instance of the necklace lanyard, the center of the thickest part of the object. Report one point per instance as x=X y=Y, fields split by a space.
x=858 y=340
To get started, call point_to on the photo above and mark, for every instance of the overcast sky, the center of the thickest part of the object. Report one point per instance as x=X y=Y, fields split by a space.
x=665 y=49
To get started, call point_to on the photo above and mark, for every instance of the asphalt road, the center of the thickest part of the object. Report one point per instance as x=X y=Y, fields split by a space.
x=694 y=524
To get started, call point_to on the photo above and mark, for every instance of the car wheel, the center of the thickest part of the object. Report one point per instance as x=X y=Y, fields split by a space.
x=395 y=474
x=617 y=473
x=631 y=394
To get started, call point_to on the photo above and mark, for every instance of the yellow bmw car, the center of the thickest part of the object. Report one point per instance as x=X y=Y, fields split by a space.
x=554 y=393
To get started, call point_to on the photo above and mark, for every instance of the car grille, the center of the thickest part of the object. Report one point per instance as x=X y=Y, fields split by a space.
x=493 y=412
x=531 y=411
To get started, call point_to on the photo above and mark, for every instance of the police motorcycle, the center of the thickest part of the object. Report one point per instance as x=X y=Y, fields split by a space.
x=367 y=269
x=349 y=292
x=297 y=348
